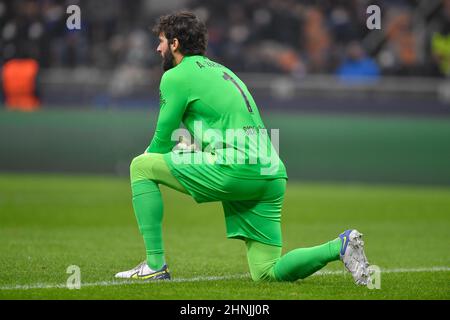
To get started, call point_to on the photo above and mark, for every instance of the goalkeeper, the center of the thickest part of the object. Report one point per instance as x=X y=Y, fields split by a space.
x=235 y=162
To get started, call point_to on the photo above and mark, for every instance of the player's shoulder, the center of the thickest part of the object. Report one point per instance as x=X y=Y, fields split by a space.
x=198 y=64
x=173 y=76
x=204 y=60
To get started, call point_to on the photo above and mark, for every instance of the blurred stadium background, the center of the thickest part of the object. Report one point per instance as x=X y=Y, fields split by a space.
x=351 y=104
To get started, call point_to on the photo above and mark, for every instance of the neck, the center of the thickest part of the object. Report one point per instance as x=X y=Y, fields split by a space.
x=178 y=57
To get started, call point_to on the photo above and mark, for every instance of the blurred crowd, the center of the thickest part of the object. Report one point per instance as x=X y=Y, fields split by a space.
x=297 y=37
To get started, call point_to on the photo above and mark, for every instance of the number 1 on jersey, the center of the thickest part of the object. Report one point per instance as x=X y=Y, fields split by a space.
x=226 y=76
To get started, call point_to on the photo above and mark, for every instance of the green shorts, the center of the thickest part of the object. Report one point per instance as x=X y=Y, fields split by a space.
x=252 y=207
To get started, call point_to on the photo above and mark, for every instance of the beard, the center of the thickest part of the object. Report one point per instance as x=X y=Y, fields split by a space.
x=167 y=62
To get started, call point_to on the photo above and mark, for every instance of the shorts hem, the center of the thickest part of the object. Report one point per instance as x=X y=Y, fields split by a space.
x=241 y=236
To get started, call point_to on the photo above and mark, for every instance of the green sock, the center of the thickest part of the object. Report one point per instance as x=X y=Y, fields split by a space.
x=303 y=262
x=148 y=208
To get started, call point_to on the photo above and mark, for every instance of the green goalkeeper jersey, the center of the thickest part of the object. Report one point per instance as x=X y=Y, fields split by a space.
x=219 y=112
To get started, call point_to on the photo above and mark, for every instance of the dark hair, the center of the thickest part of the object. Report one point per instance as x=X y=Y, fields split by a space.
x=187 y=28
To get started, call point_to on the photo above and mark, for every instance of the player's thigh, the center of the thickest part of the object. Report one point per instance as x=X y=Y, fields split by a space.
x=241 y=189
x=208 y=182
x=262 y=190
x=260 y=219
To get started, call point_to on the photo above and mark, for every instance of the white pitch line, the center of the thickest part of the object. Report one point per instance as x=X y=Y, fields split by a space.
x=395 y=270
x=196 y=279
x=120 y=282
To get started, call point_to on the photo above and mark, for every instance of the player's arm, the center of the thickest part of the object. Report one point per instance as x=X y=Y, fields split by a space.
x=173 y=103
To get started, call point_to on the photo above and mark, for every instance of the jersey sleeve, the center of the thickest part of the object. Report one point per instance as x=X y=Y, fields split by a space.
x=173 y=100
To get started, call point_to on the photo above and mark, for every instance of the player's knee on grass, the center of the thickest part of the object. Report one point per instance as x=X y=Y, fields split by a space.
x=261 y=260
x=262 y=274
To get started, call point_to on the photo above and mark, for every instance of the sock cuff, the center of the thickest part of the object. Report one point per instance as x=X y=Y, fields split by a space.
x=335 y=248
x=155 y=251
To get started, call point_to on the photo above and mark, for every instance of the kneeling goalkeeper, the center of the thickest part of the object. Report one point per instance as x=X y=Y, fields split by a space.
x=244 y=172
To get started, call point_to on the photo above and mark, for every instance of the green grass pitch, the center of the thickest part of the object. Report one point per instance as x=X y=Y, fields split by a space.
x=49 y=222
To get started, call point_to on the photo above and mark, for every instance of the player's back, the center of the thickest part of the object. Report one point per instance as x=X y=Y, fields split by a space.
x=219 y=105
x=217 y=95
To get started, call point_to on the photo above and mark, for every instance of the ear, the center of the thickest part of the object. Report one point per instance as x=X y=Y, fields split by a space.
x=175 y=45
